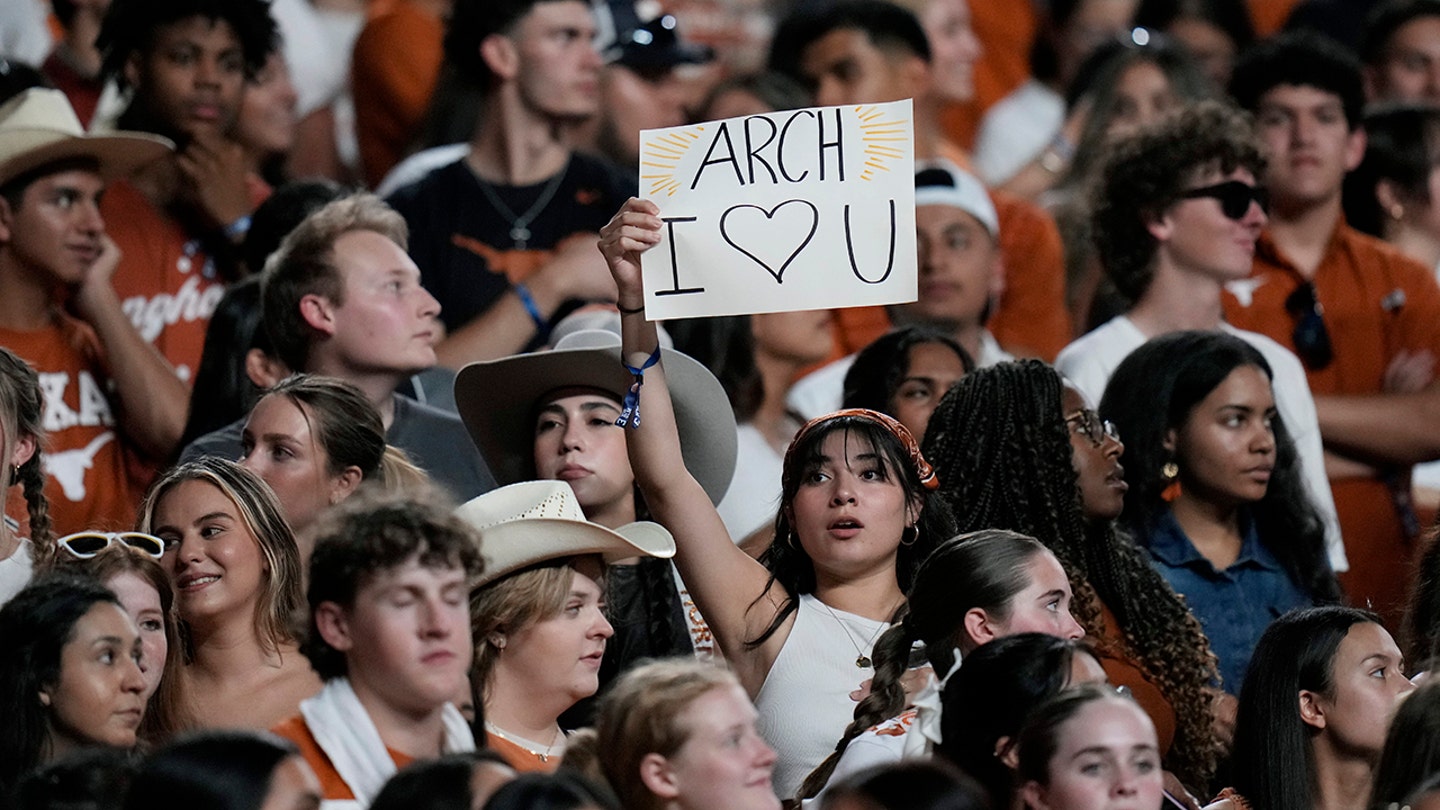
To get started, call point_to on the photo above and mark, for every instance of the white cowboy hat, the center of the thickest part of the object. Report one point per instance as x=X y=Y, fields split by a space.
x=498 y=401
x=534 y=521
x=39 y=127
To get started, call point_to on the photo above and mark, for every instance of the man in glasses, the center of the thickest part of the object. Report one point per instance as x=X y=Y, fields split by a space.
x=1364 y=318
x=1176 y=217
x=112 y=403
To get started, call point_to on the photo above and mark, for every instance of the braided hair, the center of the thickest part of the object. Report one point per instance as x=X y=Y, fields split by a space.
x=984 y=569
x=1003 y=453
x=21 y=409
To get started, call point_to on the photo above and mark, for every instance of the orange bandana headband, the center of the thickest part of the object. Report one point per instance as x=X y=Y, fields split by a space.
x=891 y=425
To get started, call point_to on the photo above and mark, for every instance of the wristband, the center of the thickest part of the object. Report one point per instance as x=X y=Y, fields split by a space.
x=542 y=326
x=630 y=408
x=629 y=311
x=237 y=229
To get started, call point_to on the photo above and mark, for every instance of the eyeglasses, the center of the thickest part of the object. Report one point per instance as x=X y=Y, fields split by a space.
x=85 y=545
x=1311 y=338
x=1089 y=424
x=1234 y=196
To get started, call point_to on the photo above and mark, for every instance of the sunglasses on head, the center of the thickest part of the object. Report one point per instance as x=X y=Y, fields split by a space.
x=85 y=545
x=1234 y=196
x=1311 y=337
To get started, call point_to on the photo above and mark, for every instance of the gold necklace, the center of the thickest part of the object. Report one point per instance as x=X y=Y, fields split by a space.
x=861 y=659
x=543 y=756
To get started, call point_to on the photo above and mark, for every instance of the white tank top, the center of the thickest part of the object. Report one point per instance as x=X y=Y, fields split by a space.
x=805 y=703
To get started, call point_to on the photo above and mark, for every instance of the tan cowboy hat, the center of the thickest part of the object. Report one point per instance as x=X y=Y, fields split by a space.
x=39 y=127
x=534 y=521
x=498 y=401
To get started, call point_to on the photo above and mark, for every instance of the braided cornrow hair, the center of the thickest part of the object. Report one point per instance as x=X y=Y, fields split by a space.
x=21 y=409
x=1002 y=450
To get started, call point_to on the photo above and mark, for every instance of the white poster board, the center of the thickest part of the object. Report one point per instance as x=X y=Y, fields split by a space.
x=802 y=209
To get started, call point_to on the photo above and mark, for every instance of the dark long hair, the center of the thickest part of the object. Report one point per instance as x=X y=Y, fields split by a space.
x=984 y=569
x=1273 y=763
x=1153 y=391
x=1420 y=633
x=789 y=564
x=878 y=369
x=35 y=626
x=990 y=697
x=1002 y=450
x=1412 y=748
x=217 y=770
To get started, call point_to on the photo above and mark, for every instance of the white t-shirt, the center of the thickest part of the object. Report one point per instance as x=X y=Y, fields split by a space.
x=1016 y=130
x=1091 y=359
x=15 y=570
x=754 y=494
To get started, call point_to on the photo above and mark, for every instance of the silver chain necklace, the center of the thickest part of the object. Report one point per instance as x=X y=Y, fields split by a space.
x=861 y=659
x=520 y=223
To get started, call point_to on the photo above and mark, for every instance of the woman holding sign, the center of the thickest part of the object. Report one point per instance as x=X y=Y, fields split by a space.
x=855 y=518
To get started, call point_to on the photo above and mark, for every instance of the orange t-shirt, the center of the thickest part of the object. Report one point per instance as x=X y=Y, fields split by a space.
x=332 y=787
x=94 y=478
x=1122 y=670
x=1377 y=303
x=167 y=285
x=1031 y=318
x=393 y=70
x=523 y=760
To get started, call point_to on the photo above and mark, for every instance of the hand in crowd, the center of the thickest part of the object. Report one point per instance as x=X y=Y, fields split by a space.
x=96 y=289
x=1409 y=372
x=632 y=231
x=576 y=273
x=215 y=171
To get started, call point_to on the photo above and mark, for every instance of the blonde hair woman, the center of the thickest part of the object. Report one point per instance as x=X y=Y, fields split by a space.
x=236 y=572
x=538 y=611
x=681 y=735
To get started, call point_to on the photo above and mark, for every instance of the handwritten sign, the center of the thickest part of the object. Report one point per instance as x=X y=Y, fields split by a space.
x=802 y=209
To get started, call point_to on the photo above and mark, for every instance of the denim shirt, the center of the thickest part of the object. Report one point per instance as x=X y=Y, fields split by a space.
x=1234 y=605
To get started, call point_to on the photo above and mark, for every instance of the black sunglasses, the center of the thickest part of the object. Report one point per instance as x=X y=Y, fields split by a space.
x=1234 y=196
x=1311 y=338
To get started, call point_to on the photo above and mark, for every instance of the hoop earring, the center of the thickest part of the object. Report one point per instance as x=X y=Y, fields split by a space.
x=1170 y=476
x=914 y=535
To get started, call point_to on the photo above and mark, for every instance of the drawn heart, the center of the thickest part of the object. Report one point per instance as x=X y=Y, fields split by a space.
x=752 y=236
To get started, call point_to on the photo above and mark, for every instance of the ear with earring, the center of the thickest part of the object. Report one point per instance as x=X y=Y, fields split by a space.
x=1170 y=476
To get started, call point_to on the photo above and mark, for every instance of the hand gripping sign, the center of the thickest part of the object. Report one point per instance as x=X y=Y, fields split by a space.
x=801 y=209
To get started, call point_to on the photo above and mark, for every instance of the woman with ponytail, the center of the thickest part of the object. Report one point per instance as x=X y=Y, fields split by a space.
x=315 y=440
x=21 y=437
x=972 y=589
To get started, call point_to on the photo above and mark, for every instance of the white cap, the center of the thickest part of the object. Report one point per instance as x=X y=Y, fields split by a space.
x=940 y=182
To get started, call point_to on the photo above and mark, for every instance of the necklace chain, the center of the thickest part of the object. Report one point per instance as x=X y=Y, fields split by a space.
x=520 y=223
x=861 y=659
x=543 y=756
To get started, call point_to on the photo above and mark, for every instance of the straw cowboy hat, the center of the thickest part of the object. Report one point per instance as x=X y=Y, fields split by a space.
x=38 y=127
x=498 y=401
x=534 y=521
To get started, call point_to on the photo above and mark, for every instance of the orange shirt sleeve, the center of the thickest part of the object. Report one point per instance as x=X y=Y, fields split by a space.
x=394 y=68
x=1032 y=318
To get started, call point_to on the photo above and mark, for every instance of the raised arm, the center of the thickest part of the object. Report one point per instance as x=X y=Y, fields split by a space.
x=724 y=580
